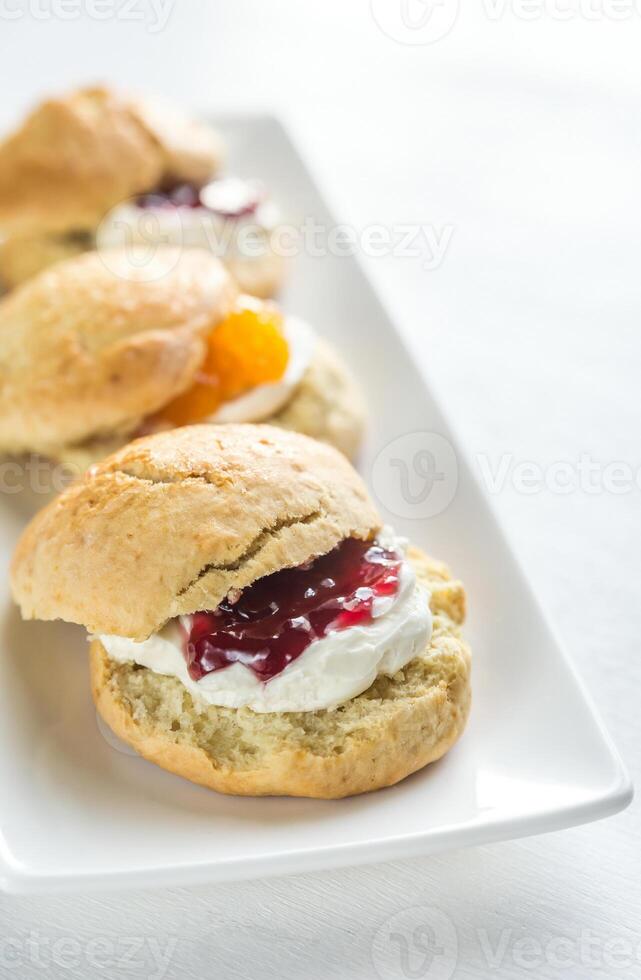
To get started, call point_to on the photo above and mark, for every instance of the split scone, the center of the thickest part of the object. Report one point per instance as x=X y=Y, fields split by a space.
x=100 y=168
x=253 y=627
x=94 y=354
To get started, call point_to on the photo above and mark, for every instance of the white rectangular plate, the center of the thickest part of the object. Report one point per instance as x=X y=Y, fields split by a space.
x=76 y=813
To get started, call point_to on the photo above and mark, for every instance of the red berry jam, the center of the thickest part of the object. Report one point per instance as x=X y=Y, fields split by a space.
x=228 y=197
x=181 y=196
x=277 y=617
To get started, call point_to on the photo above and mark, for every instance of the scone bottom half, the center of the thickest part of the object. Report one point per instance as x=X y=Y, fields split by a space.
x=237 y=520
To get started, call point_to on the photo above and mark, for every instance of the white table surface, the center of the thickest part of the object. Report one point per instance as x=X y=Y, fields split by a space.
x=522 y=137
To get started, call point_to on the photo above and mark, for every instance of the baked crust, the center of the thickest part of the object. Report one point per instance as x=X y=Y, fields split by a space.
x=23 y=258
x=396 y=727
x=93 y=345
x=190 y=151
x=77 y=156
x=173 y=522
x=327 y=405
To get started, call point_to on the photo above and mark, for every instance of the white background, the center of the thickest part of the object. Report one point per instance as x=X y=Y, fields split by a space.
x=522 y=136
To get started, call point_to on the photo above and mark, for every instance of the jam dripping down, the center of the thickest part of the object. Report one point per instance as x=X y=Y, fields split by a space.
x=277 y=617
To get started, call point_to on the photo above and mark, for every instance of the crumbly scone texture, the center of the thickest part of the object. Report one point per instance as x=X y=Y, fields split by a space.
x=173 y=522
x=92 y=345
x=261 y=275
x=327 y=405
x=396 y=727
x=77 y=156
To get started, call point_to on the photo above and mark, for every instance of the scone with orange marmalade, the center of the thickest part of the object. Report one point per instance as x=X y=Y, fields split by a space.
x=97 y=350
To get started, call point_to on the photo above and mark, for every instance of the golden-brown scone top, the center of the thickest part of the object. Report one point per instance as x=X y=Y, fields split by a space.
x=327 y=404
x=189 y=150
x=93 y=345
x=77 y=156
x=22 y=258
x=173 y=522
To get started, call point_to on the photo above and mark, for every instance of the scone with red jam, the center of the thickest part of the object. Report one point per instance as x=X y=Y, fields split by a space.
x=98 y=168
x=253 y=626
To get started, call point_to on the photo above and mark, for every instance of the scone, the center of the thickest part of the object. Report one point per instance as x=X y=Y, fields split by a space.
x=96 y=163
x=253 y=627
x=93 y=353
